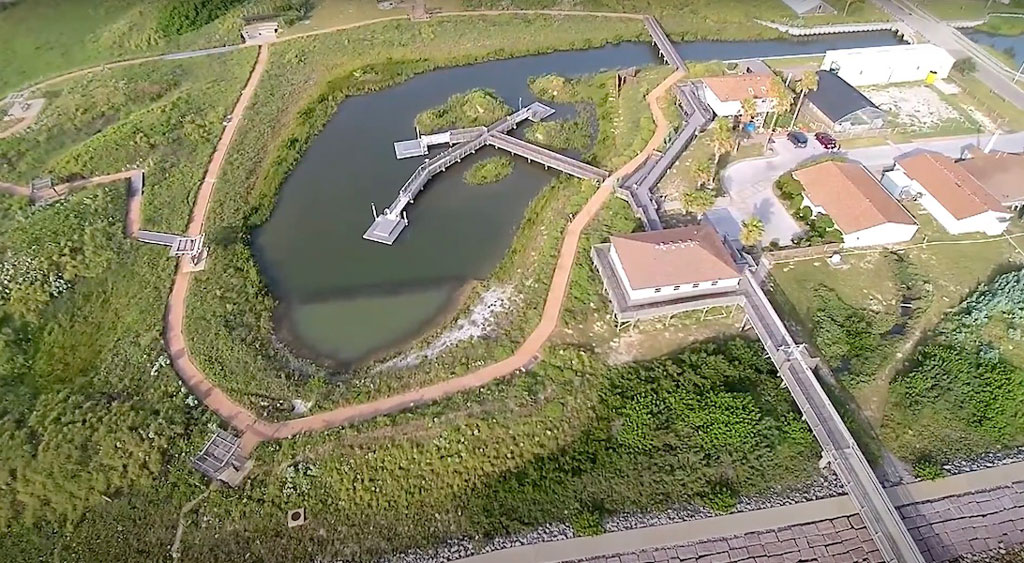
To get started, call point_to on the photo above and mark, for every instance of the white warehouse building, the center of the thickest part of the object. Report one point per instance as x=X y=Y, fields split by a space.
x=871 y=66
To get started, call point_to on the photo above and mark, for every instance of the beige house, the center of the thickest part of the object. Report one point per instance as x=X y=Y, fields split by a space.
x=861 y=208
x=1000 y=173
x=666 y=266
x=957 y=200
x=725 y=94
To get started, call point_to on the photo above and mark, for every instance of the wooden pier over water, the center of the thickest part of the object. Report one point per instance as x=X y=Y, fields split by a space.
x=389 y=224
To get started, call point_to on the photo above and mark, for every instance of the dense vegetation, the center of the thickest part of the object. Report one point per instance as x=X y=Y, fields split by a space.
x=91 y=409
x=182 y=16
x=489 y=170
x=476 y=108
x=964 y=391
x=571 y=441
x=563 y=134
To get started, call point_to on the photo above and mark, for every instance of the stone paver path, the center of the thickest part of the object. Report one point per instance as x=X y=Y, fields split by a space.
x=944 y=529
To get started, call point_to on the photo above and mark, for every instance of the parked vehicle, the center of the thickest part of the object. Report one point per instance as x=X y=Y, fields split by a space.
x=798 y=139
x=828 y=142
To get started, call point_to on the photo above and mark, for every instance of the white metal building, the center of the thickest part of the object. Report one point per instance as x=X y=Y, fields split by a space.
x=870 y=66
x=956 y=199
x=862 y=210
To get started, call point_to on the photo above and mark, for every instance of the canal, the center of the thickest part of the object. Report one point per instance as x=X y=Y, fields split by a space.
x=1012 y=45
x=343 y=299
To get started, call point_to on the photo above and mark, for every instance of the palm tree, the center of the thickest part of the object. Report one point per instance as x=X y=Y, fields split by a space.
x=721 y=138
x=703 y=172
x=698 y=202
x=749 y=108
x=782 y=96
x=808 y=83
x=751 y=231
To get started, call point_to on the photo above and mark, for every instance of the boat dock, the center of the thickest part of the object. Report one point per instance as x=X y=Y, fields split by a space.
x=664 y=44
x=388 y=225
x=421 y=145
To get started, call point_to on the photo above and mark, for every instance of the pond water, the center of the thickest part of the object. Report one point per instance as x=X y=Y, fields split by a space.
x=1014 y=44
x=343 y=298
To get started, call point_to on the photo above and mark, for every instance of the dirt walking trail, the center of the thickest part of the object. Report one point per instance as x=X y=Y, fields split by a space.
x=255 y=430
x=528 y=350
x=174 y=319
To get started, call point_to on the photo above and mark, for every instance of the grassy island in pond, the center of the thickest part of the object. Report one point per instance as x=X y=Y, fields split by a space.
x=562 y=134
x=476 y=108
x=489 y=171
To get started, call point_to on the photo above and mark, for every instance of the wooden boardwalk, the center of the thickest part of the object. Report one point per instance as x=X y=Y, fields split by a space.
x=388 y=225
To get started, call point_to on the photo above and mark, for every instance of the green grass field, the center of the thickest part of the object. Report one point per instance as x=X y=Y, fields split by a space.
x=91 y=409
x=44 y=38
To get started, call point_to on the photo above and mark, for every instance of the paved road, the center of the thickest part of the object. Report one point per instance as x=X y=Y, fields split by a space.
x=990 y=71
x=748 y=183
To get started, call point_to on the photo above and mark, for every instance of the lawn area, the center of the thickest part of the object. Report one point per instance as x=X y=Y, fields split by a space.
x=977 y=94
x=44 y=38
x=91 y=409
x=1003 y=25
x=967 y=9
x=938 y=275
x=571 y=441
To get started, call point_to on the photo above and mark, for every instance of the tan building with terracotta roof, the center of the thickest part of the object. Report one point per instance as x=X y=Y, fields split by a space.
x=861 y=208
x=725 y=94
x=946 y=190
x=666 y=266
x=1000 y=173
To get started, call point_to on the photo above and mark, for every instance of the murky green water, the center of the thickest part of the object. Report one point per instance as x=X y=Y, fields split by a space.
x=345 y=298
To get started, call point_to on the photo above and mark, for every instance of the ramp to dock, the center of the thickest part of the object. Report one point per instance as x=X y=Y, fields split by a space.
x=546 y=157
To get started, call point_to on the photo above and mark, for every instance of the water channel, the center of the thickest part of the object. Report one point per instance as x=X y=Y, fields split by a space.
x=343 y=298
x=1011 y=44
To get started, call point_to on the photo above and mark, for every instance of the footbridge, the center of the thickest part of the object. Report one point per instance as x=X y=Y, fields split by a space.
x=837 y=444
x=664 y=44
x=548 y=158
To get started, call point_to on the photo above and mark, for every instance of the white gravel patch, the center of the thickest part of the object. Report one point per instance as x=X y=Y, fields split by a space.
x=918 y=106
x=479 y=323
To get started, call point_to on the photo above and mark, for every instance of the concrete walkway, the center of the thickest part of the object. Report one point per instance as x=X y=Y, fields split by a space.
x=745 y=522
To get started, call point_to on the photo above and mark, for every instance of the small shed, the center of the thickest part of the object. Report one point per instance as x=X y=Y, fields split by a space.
x=840 y=106
x=221 y=459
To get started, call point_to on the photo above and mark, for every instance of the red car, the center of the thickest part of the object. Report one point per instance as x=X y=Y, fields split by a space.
x=828 y=142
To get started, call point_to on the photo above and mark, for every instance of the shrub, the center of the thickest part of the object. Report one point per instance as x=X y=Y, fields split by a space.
x=182 y=16
x=928 y=470
x=475 y=108
x=489 y=171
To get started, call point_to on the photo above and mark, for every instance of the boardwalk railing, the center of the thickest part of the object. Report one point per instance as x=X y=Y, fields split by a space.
x=668 y=50
x=839 y=447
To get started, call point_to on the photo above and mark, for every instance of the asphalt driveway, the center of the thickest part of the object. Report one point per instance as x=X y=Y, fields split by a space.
x=748 y=183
